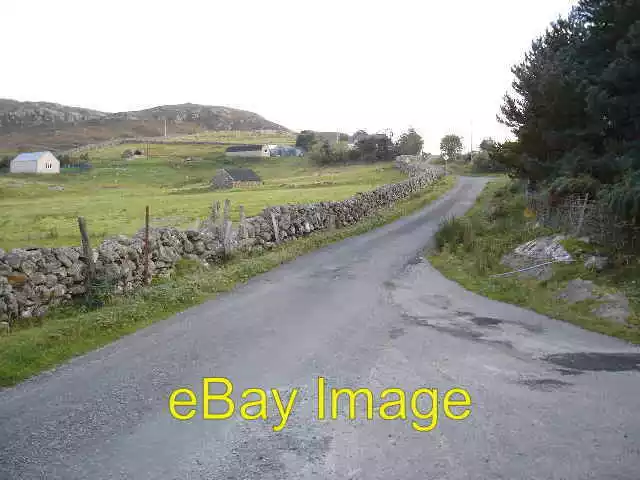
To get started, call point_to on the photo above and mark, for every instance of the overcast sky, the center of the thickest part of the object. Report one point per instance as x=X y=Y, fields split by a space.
x=439 y=66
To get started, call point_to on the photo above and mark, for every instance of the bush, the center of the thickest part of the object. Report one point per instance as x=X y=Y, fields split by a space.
x=484 y=162
x=455 y=232
x=581 y=184
x=323 y=154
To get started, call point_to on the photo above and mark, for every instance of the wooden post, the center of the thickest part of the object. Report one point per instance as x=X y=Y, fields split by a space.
x=227 y=209
x=146 y=276
x=241 y=225
x=227 y=238
x=332 y=222
x=87 y=253
x=215 y=211
x=276 y=229
x=584 y=208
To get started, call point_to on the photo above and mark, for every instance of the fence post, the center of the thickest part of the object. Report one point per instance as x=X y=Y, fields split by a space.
x=274 y=224
x=584 y=208
x=227 y=209
x=332 y=222
x=241 y=225
x=226 y=228
x=215 y=211
x=87 y=253
x=146 y=246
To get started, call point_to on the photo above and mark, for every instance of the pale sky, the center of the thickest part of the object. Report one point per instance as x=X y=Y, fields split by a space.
x=439 y=66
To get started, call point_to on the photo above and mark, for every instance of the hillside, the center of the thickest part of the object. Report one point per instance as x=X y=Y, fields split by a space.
x=43 y=125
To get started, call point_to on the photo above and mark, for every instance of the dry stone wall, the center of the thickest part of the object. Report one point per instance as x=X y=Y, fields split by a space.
x=414 y=165
x=34 y=279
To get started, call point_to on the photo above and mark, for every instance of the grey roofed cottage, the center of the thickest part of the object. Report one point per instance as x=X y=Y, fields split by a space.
x=233 y=177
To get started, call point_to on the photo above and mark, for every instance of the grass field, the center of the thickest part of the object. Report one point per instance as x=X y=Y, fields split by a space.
x=471 y=247
x=112 y=196
x=72 y=331
x=240 y=137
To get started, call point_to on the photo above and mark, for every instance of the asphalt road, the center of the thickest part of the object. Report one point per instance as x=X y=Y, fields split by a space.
x=549 y=400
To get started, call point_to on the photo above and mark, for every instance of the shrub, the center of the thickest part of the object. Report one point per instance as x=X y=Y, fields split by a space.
x=455 y=231
x=5 y=163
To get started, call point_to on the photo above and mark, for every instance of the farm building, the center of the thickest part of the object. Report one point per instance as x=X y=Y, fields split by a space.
x=35 y=162
x=248 y=151
x=235 y=177
x=285 y=151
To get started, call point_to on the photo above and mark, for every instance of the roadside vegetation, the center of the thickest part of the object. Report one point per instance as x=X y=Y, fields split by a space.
x=576 y=110
x=574 y=114
x=469 y=249
x=74 y=330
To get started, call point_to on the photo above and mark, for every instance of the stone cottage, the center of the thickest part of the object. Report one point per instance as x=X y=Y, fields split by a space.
x=234 y=178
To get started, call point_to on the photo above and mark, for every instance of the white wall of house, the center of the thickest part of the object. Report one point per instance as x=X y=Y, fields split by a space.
x=45 y=163
x=23 y=166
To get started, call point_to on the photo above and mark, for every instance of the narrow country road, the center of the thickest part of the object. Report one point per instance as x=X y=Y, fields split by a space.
x=549 y=400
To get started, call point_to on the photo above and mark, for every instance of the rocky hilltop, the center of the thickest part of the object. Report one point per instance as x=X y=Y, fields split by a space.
x=44 y=125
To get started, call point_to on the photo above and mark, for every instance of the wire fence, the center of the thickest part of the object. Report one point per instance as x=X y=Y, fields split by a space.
x=582 y=216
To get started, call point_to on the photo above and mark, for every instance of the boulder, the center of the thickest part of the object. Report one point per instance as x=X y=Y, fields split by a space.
x=5 y=269
x=38 y=278
x=13 y=259
x=615 y=307
x=545 y=248
x=597 y=263
x=577 y=291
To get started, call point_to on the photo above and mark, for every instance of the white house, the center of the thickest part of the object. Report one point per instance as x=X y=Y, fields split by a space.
x=248 y=151
x=35 y=162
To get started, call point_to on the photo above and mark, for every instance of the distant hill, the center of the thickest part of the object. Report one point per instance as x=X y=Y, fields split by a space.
x=43 y=125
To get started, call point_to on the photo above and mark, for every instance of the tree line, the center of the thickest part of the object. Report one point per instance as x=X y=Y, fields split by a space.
x=575 y=109
x=367 y=148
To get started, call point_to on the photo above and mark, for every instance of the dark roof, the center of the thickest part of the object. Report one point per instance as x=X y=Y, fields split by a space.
x=244 y=148
x=243 y=174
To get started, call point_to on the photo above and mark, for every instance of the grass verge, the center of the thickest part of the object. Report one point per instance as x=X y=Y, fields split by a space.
x=73 y=331
x=469 y=250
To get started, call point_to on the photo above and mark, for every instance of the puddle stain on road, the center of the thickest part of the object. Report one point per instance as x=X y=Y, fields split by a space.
x=596 y=362
x=565 y=372
x=486 y=321
x=543 y=384
x=396 y=332
x=457 y=331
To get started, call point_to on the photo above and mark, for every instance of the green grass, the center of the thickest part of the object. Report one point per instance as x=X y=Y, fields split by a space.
x=72 y=331
x=240 y=137
x=113 y=195
x=469 y=250
x=463 y=169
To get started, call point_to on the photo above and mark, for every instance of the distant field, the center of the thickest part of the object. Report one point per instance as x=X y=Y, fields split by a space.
x=240 y=137
x=113 y=195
